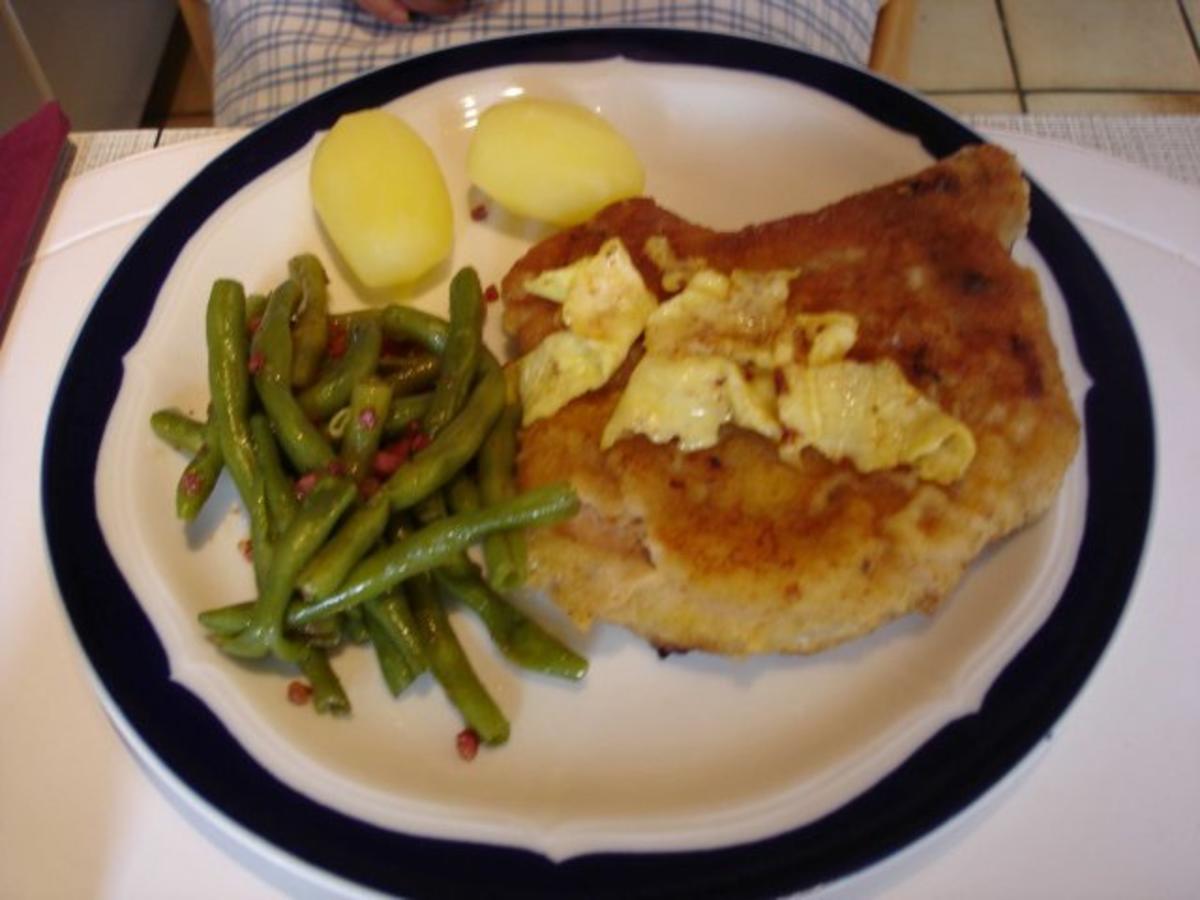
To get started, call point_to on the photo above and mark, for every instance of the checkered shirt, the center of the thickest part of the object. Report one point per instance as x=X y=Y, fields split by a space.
x=271 y=54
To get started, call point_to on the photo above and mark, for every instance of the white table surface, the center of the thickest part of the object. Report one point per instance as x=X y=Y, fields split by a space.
x=1109 y=805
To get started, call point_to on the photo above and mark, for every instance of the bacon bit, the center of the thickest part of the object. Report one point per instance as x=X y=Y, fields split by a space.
x=413 y=426
x=479 y=212
x=336 y=468
x=252 y=325
x=335 y=345
x=420 y=441
x=492 y=294
x=385 y=463
x=298 y=692
x=367 y=419
x=246 y=548
x=781 y=385
x=467 y=743
x=255 y=363
x=368 y=487
x=190 y=483
x=388 y=459
x=304 y=484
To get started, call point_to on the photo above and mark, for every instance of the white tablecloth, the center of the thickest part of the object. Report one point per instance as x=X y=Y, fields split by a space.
x=1109 y=807
x=1169 y=145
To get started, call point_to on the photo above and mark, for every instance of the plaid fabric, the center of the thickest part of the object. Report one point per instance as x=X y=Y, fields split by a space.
x=271 y=54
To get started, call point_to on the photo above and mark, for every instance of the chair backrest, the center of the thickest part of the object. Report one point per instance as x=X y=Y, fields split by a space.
x=195 y=19
x=892 y=43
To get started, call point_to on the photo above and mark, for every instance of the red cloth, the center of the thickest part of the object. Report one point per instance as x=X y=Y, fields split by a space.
x=28 y=157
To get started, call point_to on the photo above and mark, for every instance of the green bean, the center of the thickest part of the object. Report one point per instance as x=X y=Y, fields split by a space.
x=354 y=625
x=300 y=439
x=464 y=496
x=393 y=614
x=311 y=331
x=461 y=354
x=228 y=619
x=497 y=456
x=370 y=404
x=405 y=410
x=329 y=567
x=404 y=323
x=328 y=694
x=503 y=553
x=438 y=544
x=451 y=667
x=451 y=449
x=519 y=638
x=279 y=488
x=396 y=673
x=331 y=391
x=326 y=633
x=431 y=509
x=199 y=477
x=412 y=372
x=255 y=304
x=316 y=518
x=229 y=386
x=178 y=430
x=462 y=493
x=345 y=319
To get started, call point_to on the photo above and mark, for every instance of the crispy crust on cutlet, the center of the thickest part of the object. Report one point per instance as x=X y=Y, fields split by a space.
x=734 y=551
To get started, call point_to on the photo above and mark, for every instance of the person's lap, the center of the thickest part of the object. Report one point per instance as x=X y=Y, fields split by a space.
x=271 y=54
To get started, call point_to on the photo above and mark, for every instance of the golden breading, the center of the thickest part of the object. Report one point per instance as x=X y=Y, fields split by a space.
x=731 y=549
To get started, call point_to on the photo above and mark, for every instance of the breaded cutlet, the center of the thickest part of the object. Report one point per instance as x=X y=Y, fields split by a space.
x=733 y=550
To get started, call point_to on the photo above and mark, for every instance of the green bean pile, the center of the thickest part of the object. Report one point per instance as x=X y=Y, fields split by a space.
x=371 y=451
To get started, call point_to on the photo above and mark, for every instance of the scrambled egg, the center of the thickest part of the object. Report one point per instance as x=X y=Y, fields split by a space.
x=722 y=351
x=865 y=412
x=605 y=308
x=734 y=316
x=690 y=398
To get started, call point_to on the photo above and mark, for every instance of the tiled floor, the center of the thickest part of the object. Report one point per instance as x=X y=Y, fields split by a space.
x=1059 y=56
x=972 y=56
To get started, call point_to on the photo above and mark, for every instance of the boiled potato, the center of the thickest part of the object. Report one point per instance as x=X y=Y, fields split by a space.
x=380 y=194
x=552 y=161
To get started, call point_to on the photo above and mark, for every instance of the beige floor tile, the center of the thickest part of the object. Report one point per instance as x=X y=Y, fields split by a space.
x=1131 y=44
x=1115 y=103
x=978 y=102
x=958 y=45
x=1193 y=14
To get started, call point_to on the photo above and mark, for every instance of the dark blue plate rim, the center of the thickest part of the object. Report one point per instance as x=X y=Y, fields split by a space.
x=941 y=778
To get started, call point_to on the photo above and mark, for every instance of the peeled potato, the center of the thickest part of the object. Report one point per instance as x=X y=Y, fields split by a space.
x=553 y=161
x=379 y=192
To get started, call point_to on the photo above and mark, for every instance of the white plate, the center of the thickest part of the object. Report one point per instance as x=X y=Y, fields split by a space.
x=754 y=747
x=687 y=754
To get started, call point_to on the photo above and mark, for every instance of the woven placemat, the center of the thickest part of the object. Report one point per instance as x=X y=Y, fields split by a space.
x=94 y=149
x=1169 y=145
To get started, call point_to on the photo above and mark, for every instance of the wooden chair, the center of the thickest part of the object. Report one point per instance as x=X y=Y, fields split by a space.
x=892 y=44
